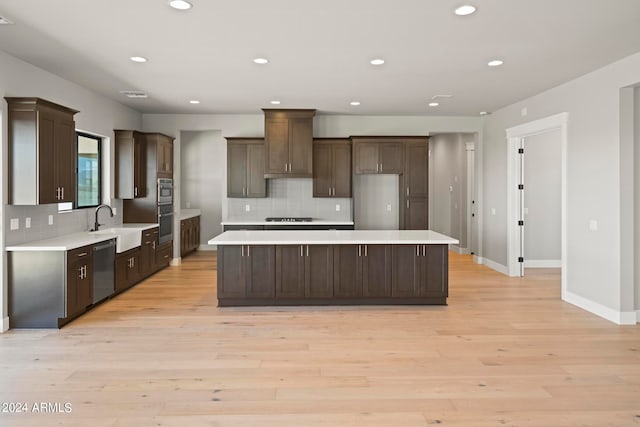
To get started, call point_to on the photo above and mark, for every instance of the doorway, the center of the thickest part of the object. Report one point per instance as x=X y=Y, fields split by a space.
x=515 y=190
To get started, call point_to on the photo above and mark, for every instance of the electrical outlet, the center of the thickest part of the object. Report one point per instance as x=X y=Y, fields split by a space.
x=388 y=207
x=451 y=189
x=337 y=208
x=15 y=223
x=50 y=219
x=27 y=222
x=115 y=211
x=247 y=208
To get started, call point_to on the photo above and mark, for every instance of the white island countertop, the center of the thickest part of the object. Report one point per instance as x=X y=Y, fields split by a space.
x=67 y=242
x=284 y=223
x=332 y=237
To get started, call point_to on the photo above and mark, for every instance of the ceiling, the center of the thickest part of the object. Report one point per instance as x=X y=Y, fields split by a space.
x=319 y=51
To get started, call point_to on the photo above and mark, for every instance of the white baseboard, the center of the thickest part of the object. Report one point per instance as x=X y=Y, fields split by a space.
x=459 y=250
x=618 y=317
x=5 y=325
x=542 y=263
x=175 y=261
x=208 y=247
x=477 y=259
x=492 y=265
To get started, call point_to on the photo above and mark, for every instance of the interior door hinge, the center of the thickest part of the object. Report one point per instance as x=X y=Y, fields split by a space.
x=520 y=150
x=520 y=222
x=520 y=259
x=520 y=186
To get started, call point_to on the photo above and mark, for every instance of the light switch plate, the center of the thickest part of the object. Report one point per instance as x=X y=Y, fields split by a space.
x=337 y=208
x=115 y=211
x=15 y=223
x=27 y=222
x=247 y=208
x=50 y=219
x=388 y=207
x=593 y=225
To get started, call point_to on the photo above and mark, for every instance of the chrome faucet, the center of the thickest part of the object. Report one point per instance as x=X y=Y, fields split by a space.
x=97 y=224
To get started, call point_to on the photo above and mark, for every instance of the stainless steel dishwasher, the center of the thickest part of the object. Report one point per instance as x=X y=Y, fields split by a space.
x=104 y=263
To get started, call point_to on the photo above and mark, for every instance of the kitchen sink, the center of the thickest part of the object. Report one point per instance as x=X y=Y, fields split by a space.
x=126 y=238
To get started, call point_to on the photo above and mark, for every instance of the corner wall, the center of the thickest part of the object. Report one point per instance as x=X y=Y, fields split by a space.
x=593 y=182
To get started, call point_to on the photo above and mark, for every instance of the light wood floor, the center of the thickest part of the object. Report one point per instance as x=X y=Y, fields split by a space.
x=505 y=352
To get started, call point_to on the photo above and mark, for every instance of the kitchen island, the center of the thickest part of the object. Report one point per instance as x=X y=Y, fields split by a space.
x=332 y=267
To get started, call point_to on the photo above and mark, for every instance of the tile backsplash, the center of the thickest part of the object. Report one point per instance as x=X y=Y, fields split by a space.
x=63 y=222
x=290 y=197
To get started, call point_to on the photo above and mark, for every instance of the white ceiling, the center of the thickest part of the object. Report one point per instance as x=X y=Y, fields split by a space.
x=319 y=51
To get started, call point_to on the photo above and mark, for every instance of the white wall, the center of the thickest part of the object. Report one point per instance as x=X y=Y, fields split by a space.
x=593 y=182
x=636 y=168
x=201 y=185
x=97 y=115
x=542 y=185
x=448 y=185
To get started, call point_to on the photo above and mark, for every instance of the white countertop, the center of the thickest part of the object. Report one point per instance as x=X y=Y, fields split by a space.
x=189 y=213
x=74 y=240
x=332 y=237
x=263 y=222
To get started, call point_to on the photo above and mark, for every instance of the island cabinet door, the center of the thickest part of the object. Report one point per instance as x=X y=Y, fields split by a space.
x=231 y=266
x=407 y=271
x=318 y=271
x=347 y=271
x=290 y=261
x=435 y=272
x=259 y=271
x=376 y=270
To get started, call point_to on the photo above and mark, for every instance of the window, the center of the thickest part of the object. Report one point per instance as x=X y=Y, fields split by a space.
x=89 y=171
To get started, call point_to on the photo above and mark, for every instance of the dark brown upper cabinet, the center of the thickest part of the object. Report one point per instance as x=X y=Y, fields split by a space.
x=331 y=167
x=415 y=185
x=378 y=155
x=164 y=154
x=245 y=167
x=288 y=143
x=131 y=164
x=42 y=147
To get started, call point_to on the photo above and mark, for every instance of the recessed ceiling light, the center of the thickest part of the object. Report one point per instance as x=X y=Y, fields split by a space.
x=355 y=103
x=275 y=102
x=484 y=113
x=433 y=104
x=261 y=60
x=495 y=63
x=180 y=4
x=138 y=59
x=377 y=61
x=194 y=101
x=467 y=9
x=5 y=21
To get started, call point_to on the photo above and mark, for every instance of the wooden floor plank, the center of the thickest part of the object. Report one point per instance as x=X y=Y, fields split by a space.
x=505 y=351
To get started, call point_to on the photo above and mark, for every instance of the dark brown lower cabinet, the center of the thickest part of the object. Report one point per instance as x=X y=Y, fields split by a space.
x=127 y=269
x=420 y=271
x=164 y=253
x=304 y=271
x=362 y=271
x=189 y=235
x=328 y=274
x=246 y=272
x=148 y=253
x=79 y=280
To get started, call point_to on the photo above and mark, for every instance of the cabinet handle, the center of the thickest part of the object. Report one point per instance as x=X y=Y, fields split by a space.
x=301 y=250
x=62 y=197
x=417 y=250
x=285 y=167
x=424 y=250
x=380 y=166
x=307 y=250
x=133 y=262
x=359 y=250
x=242 y=250
x=365 y=250
x=153 y=244
x=135 y=191
x=80 y=255
x=329 y=190
x=58 y=193
x=248 y=250
x=407 y=203
x=377 y=167
x=407 y=191
x=334 y=191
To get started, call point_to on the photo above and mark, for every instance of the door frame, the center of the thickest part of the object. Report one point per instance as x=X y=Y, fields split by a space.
x=514 y=136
